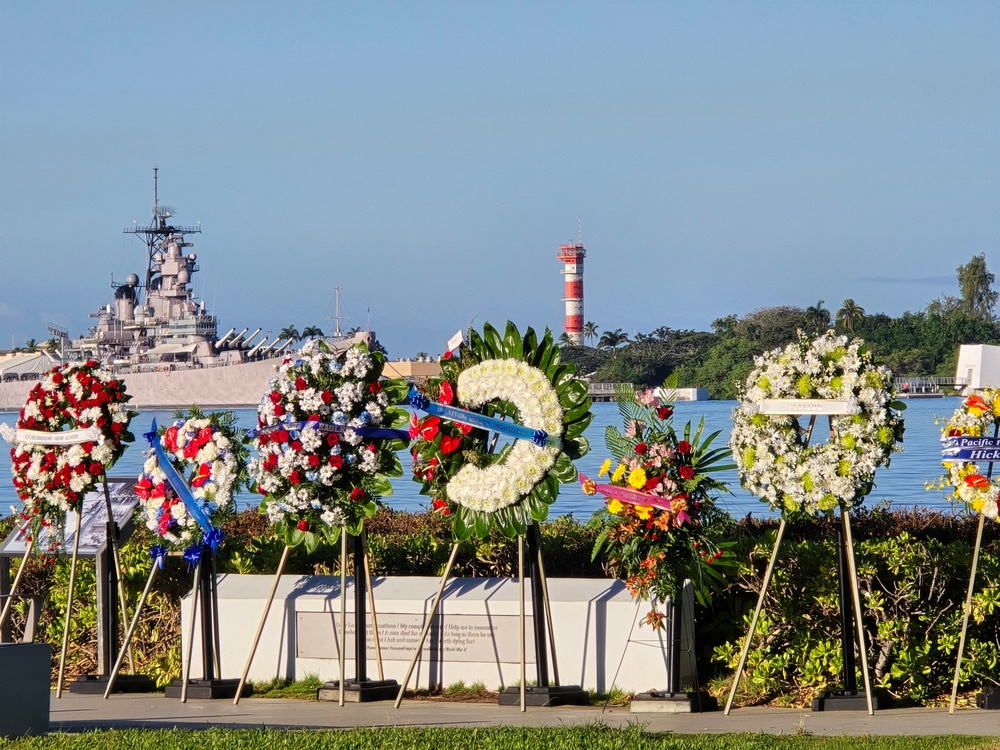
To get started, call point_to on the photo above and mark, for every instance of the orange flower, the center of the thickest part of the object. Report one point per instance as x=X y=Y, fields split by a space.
x=977 y=480
x=977 y=407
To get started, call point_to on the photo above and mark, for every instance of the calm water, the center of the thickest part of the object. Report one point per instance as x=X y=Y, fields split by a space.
x=902 y=483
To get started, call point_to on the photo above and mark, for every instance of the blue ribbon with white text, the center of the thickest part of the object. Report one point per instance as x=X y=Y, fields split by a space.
x=473 y=419
x=176 y=481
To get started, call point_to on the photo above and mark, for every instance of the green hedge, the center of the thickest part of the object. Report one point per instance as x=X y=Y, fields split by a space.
x=914 y=569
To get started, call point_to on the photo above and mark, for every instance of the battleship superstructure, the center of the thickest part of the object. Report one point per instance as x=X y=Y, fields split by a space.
x=161 y=339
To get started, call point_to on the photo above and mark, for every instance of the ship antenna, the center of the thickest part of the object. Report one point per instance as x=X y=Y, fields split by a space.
x=156 y=200
x=579 y=230
x=336 y=318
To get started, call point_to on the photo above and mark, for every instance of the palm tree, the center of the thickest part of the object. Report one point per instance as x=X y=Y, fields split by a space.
x=310 y=332
x=289 y=332
x=612 y=339
x=564 y=339
x=850 y=312
x=818 y=317
x=31 y=345
x=590 y=331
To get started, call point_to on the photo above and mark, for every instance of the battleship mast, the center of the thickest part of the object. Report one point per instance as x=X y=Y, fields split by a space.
x=158 y=231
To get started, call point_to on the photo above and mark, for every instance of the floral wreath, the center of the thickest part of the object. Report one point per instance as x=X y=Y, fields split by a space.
x=53 y=479
x=326 y=442
x=770 y=450
x=661 y=524
x=977 y=415
x=208 y=452
x=511 y=376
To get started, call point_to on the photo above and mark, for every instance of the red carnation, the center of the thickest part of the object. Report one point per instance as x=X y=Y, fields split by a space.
x=686 y=472
x=300 y=383
x=358 y=494
x=313 y=460
x=336 y=462
x=303 y=525
x=275 y=397
x=279 y=410
x=96 y=469
x=375 y=387
x=332 y=439
x=664 y=412
x=294 y=478
x=640 y=449
x=326 y=397
x=684 y=447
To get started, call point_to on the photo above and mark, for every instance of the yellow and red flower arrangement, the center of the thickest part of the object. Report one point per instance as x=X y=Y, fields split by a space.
x=660 y=524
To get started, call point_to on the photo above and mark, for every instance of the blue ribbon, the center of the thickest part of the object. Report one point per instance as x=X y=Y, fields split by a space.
x=965 y=448
x=158 y=553
x=176 y=481
x=330 y=427
x=538 y=437
x=212 y=539
x=192 y=555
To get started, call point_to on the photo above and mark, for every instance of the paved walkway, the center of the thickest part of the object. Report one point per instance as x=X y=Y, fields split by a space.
x=76 y=713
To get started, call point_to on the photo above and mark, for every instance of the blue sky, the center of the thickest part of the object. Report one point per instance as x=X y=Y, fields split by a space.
x=429 y=158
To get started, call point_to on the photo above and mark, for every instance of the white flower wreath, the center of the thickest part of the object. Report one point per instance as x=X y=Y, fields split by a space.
x=976 y=417
x=530 y=390
x=769 y=449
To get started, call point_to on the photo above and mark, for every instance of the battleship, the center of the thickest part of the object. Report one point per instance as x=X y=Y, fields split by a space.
x=160 y=339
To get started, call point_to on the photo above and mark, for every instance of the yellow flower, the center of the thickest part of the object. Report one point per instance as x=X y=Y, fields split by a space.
x=605 y=467
x=643 y=511
x=614 y=506
x=619 y=473
x=637 y=478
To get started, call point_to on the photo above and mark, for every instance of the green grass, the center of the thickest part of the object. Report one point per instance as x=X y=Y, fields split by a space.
x=281 y=688
x=590 y=737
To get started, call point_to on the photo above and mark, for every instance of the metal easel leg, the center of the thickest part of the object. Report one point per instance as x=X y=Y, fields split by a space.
x=756 y=616
x=856 y=595
x=186 y=667
x=69 y=600
x=131 y=629
x=427 y=624
x=260 y=628
x=965 y=614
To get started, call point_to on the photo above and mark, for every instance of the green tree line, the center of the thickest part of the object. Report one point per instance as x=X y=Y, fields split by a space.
x=923 y=343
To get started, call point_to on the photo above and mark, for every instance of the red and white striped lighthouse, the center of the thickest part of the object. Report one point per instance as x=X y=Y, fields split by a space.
x=572 y=257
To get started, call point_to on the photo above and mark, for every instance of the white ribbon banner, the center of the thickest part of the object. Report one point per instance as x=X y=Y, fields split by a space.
x=800 y=406
x=40 y=437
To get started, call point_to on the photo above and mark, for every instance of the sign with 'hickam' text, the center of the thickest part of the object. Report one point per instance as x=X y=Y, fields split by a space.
x=967 y=448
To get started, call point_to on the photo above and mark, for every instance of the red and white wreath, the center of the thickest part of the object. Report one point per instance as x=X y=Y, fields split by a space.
x=52 y=479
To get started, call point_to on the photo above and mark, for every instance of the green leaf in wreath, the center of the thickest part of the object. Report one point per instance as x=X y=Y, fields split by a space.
x=481 y=522
x=463 y=525
x=492 y=338
x=564 y=470
x=512 y=347
x=536 y=505
x=573 y=394
x=577 y=448
x=380 y=485
x=577 y=427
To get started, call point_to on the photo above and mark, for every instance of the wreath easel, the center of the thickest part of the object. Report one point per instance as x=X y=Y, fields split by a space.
x=831 y=377
x=327 y=438
x=73 y=427
x=495 y=378
x=963 y=443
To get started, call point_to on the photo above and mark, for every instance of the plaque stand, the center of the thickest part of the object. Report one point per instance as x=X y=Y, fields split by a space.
x=361 y=689
x=547 y=692
x=110 y=587
x=989 y=699
x=205 y=610
x=849 y=698
x=673 y=699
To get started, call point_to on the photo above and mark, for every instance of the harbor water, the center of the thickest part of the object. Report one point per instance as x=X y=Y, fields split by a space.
x=902 y=483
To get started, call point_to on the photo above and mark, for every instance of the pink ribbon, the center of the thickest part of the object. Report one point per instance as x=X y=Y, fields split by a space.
x=633 y=497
